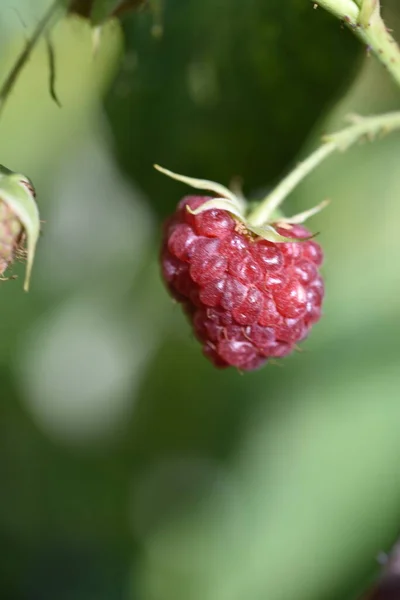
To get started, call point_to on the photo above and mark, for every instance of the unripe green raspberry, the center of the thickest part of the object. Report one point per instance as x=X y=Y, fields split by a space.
x=11 y=236
x=19 y=221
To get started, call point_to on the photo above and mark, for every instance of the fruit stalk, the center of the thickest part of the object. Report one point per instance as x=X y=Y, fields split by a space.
x=364 y=18
x=362 y=127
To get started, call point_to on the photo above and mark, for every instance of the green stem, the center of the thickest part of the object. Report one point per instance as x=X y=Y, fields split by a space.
x=11 y=80
x=363 y=17
x=368 y=127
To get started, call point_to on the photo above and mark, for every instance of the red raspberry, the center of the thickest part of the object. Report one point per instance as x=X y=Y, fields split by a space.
x=248 y=299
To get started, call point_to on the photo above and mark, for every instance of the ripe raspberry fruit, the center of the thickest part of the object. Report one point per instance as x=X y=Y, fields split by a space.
x=248 y=298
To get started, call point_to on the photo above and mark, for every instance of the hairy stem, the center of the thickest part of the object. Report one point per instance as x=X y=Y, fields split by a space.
x=363 y=17
x=362 y=127
x=23 y=58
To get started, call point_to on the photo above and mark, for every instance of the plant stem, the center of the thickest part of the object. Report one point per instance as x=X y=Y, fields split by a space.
x=368 y=127
x=363 y=17
x=23 y=58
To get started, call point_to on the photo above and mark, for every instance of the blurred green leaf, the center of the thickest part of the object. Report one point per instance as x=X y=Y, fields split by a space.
x=232 y=88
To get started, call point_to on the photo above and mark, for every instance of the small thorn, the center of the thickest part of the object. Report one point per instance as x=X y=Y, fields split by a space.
x=276 y=363
x=298 y=349
x=10 y=278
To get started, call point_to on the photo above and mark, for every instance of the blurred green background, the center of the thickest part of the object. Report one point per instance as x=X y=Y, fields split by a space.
x=130 y=468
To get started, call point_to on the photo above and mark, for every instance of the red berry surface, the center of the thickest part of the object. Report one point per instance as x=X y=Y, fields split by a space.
x=248 y=299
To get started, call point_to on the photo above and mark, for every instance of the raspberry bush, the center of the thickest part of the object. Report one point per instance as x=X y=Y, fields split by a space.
x=208 y=464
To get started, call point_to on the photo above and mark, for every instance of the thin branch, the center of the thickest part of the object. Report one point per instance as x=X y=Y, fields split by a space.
x=362 y=127
x=23 y=58
x=52 y=70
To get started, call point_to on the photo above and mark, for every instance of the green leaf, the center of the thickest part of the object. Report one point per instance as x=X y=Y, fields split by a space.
x=232 y=88
x=17 y=192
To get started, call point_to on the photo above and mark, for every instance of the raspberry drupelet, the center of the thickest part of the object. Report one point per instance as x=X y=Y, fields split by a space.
x=248 y=298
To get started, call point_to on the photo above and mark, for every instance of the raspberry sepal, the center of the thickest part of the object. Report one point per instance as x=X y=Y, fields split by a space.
x=236 y=205
x=17 y=195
